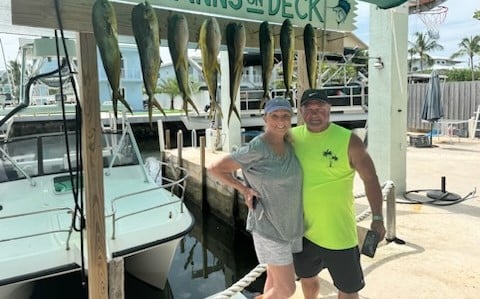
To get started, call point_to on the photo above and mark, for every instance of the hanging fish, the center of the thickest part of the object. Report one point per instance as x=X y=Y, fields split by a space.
x=209 y=42
x=310 y=47
x=147 y=37
x=177 y=36
x=341 y=10
x=104 y=22
x=236 y=39
x=267 y=56
x=287 y=47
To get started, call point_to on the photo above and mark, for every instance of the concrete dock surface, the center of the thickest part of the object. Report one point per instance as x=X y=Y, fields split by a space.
x=441 y=254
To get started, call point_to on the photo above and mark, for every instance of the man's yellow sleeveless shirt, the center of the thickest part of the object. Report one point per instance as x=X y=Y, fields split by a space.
x=328 y=200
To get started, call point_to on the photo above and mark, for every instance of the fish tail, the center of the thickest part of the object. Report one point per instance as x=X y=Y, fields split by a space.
x=159 y=107
x=152 y=101
x=118 y=96
x=188 y=100
x=234 y=109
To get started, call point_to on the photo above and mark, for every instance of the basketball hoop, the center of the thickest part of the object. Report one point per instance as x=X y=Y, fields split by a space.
x=433 y=18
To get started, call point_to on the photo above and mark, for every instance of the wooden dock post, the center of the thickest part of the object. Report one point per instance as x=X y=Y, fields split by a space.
x=116 y=278
x=93 y=167
x=204 y=175
x=168 y=144
x=180 y=147
x=161 y=139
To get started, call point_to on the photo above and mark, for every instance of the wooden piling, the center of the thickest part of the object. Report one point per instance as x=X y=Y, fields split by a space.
x=204 y=175
x=93 y=167
x=180 y=147
x=161 y=139
x=168 y=144
x=116 y=279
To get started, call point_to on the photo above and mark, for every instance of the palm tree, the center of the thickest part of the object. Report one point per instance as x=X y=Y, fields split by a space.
x=470 y=47
x=424 y=44
x=170 y=87
x=14 y=70
x=412 y=53
x=476 y=15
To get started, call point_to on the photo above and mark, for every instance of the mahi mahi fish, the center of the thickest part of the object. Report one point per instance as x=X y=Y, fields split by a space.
x=310 y=47
x=266 y=53
x=209 y=42
x=177 y=36
x=146 y=33
x=236 y=39
x=287 y=47
x=104 y=22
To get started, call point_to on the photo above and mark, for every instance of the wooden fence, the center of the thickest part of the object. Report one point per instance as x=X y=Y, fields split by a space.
x=460 y=101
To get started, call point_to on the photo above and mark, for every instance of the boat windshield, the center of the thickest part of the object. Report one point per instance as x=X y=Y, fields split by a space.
x=47 y=154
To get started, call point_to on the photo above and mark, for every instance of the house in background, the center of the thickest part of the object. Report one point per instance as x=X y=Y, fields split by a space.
x=436 y=63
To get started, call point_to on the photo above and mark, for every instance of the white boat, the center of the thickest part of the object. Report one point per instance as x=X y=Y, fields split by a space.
x=145 y=216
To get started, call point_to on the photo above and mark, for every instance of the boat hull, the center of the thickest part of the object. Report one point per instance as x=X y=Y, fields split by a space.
x=17 y=290
x=152 y=266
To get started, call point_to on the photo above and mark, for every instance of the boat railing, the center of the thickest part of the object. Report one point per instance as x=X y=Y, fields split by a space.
x=352 y=95
x=250 y=98
x=127 y=132
x=47 y=232
x=175 y=187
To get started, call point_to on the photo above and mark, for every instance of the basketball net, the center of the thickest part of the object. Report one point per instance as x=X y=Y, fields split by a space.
x=433 y=18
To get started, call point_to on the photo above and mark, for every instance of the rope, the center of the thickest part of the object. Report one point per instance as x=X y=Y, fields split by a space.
x=242 y=283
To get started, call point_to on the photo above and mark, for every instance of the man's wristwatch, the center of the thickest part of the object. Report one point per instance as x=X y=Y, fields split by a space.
x=377 y=218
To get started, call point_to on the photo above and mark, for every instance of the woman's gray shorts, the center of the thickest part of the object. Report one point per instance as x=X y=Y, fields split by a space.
x=275 y=252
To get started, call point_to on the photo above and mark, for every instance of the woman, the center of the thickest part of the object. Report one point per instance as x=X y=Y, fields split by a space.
x=272 y=190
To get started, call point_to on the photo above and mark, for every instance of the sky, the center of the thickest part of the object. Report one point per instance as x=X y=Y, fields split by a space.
x=459 y=23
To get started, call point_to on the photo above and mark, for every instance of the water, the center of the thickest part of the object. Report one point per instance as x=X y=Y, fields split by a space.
x=209 y=259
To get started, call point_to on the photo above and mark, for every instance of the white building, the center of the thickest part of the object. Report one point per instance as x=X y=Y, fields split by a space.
x=436 y=63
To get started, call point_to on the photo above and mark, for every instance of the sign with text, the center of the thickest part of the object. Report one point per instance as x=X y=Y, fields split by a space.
x=334 y=15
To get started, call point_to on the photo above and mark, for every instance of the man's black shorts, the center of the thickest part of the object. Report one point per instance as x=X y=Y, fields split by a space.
x=343 y=265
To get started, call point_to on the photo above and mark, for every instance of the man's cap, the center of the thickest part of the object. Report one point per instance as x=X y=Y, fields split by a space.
x=319 y=95
x=278 y=104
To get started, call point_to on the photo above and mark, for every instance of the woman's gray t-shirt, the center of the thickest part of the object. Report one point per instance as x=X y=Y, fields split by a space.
x=278 y=214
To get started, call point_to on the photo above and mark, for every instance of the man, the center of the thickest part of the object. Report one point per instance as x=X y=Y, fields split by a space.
x=330 y=155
